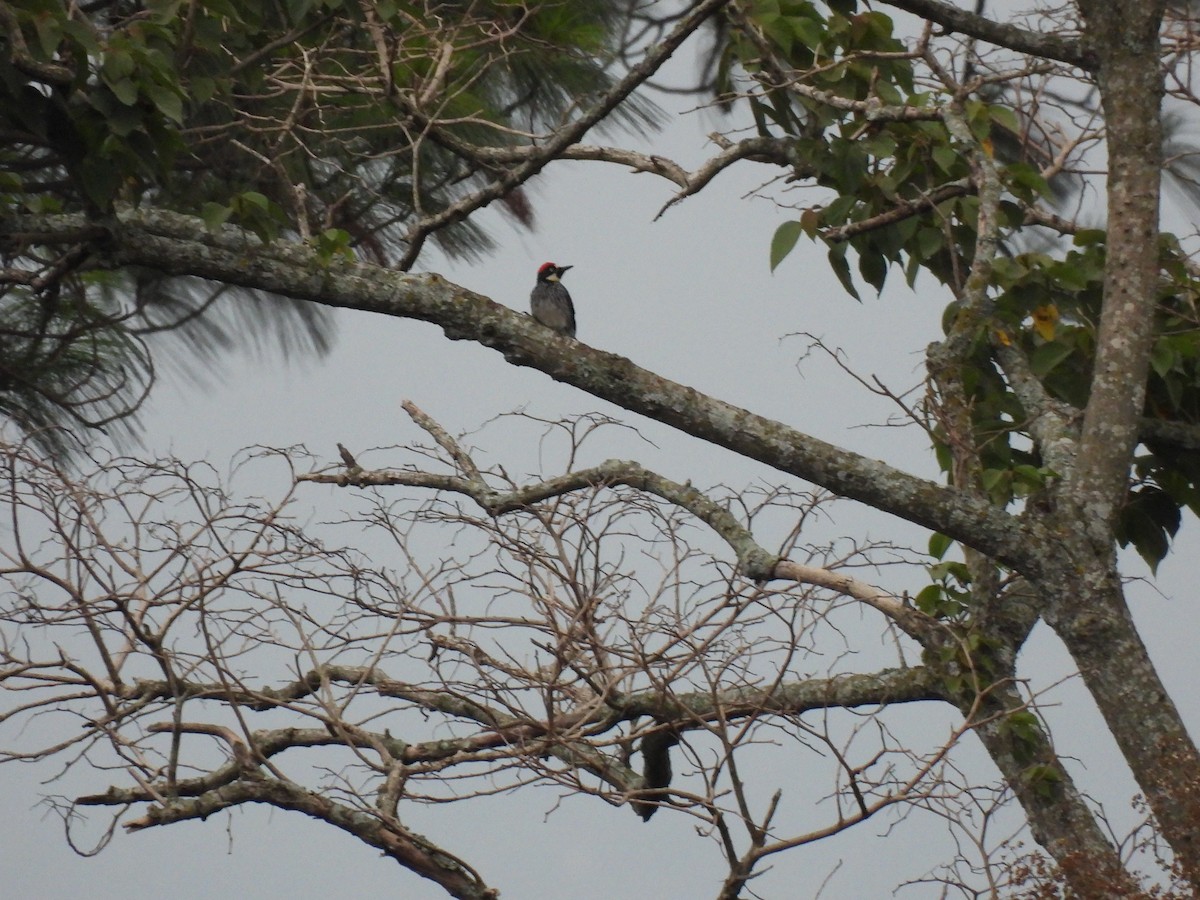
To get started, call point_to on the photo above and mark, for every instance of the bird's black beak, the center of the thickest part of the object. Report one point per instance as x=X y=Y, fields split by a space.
x=562 y=269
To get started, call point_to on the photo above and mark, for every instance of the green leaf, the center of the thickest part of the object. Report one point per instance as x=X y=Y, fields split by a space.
x=839 y=210
x=759 y=111
x=1147 y=536
x=1163 y=358
x=873 y=268
x=215 y=215
x=889 y=93
x=50 y=32
x=938 y=544
x=993 y=478
x=945 y=157
x=124 y=90
x=930 y=241
x=334 y=243
x=1028 y=479
x=780 y=33
x=1024 y=730
x=84 y=35
x=951 y=570
x=124 y=120
x=254 y=198
x=101 y=180
x=118 y=65
x=810 y=222
x=167 y=101
x=1005 y=117
x=203 y=88
x=808 y=32
x=1044 y=359
x=841 y=268
x=1043 y=779
x=1023 y=175
x=784 y=241
x=164 y=11
x=929 y=600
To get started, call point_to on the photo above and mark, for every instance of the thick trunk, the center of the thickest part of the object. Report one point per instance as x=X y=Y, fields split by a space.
x=1089 y=611
x=1091 y=617
x=1125 y=36
x=1058 y=815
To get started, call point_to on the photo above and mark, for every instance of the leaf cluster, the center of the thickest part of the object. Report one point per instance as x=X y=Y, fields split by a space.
x=185 y=105
x=864 y=115
x=333 y=121
x=1050 y=305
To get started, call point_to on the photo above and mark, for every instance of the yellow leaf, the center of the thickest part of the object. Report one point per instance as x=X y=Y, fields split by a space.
x=1044 y=320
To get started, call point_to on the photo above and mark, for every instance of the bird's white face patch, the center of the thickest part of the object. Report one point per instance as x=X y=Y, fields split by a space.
x=553 y=276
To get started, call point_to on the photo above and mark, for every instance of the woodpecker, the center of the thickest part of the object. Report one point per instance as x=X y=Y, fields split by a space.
x=550 y=303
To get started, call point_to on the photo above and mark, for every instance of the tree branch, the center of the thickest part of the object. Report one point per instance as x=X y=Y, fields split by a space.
x=411 y=850
x=1022 y=40
x=53 y=74
x=179 y=245
x=1132 y=94
x=754 y=562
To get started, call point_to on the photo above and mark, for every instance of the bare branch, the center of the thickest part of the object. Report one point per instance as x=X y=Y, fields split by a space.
x=411 y=850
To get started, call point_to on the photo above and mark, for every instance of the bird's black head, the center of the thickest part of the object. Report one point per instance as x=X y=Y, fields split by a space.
x=550 y=272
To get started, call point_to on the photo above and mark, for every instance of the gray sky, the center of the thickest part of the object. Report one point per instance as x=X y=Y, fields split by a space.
x=690 y=297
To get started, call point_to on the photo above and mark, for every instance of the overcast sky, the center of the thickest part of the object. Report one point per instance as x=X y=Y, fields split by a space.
x=689 y=296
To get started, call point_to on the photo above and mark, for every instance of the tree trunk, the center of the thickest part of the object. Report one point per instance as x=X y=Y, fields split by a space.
x=1088 y=610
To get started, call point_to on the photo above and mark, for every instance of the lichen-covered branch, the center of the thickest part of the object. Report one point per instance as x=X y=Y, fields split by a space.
x=409 y=849
x=1035 y=43
x=178 y=245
